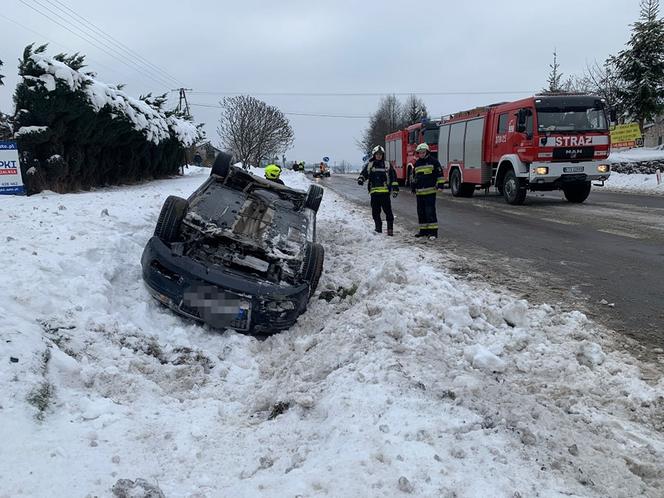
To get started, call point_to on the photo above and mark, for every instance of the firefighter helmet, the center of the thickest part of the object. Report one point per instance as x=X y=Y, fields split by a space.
x=423 y=147
x=272 y=172
x=378 y=149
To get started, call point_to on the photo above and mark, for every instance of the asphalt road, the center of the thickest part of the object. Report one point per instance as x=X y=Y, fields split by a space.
x=605 y=256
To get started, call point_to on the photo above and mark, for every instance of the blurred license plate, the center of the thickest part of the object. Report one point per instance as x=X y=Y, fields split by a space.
x=209 y=299
x=573 y=169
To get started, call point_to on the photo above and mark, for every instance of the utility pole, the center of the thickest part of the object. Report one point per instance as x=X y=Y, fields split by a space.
x=183 y=105
x=183 y=100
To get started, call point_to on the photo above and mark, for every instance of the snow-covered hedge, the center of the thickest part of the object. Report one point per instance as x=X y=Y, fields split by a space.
x=99 y=134
x=641 y=167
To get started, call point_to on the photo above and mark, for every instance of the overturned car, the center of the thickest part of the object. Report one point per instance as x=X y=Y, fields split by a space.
x=239 y=253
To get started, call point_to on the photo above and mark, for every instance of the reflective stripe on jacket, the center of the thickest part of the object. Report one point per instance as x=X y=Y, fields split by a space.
x=382 y=177
x=427 y=175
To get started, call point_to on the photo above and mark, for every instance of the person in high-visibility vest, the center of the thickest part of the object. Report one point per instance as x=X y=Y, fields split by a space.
x=382 y=181
x=427 y=178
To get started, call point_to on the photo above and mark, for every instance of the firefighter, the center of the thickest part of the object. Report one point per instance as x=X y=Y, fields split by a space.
x=427 y=178
x=382 y=181
x=272 y=173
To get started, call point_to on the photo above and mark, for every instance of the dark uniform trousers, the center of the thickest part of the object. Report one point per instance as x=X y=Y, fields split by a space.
x=426 y=214
x=381 y=201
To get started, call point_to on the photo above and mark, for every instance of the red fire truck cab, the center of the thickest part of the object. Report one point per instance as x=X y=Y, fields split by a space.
x=545 y=142
x=400 y=147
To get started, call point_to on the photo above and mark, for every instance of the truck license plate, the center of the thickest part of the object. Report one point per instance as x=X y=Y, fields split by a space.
x=573 y=169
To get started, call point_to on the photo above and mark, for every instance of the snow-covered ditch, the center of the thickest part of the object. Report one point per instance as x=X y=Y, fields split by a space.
x=416 y=382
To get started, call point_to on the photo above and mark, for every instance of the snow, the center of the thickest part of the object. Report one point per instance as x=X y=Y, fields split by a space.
x=153 y=123
x=26 y=130
x=635 y=183
x=636 y=155
x=417 y=383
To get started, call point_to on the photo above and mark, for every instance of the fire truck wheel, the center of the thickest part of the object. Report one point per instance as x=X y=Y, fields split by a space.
x=514 y=190
x=455 y=183
x=577 y=192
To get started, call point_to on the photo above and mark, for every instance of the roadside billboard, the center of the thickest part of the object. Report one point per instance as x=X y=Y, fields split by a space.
x=11 y=181
x=626 y=136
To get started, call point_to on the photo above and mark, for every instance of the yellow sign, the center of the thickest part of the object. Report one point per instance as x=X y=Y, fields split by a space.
x=625 y=133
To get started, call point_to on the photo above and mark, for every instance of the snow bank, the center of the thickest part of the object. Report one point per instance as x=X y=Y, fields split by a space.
x=636 y=155
x=146 y=119
x=408 y=381
x=635 y=183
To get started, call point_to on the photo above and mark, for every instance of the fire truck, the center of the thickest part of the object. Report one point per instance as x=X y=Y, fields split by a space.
x=400 y=147
x=545 y=142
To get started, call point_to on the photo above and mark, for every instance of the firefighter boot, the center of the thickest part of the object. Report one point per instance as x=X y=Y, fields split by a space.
x=390 y=232
x=379 y=228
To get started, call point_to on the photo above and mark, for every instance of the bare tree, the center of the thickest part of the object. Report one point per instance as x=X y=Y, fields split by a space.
x=343 y=167
x=414 y=110
x=601 y=80
x=388 y=118
x=253 y=130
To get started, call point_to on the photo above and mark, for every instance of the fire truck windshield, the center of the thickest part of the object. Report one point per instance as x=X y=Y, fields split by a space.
x=431 y=136
x=571 y=119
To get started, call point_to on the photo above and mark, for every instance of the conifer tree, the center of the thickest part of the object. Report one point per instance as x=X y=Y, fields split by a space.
x=555 y=78
x=75 y=132
x=641 y=66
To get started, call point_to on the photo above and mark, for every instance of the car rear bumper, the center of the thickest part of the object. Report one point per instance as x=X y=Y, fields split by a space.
x=218 y=296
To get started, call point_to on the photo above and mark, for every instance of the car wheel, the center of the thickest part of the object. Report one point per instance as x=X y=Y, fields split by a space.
x=513 y=189
x=577 y=192
x=314 y=266
x=314 y=197
x=221 y=165
x=170 y=218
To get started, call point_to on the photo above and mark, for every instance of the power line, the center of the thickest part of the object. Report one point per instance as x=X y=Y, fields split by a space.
x=295 y=113
x=86 y=31
x=137 y=69
x=83 y=21
x=366 y=94
x=46 y=39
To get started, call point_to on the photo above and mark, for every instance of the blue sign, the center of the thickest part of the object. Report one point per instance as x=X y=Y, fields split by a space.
x=326 y=159
x=10 y=170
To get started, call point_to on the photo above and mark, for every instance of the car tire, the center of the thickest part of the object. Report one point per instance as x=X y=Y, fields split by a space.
x=221 y=165
x=314 y=197
x=577 y=192
x=514 y=190
x=314 y=266
x=170 y=218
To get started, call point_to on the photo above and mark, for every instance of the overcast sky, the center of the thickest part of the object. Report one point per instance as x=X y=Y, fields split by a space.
x=304 y=47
